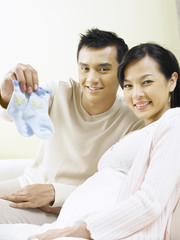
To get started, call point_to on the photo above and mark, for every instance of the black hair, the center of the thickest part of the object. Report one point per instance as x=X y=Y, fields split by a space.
x=165 y=59
x=95 y=38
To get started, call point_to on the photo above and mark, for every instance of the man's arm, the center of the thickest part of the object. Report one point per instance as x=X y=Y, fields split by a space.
x=6 y=91
x=35 y=195
x=28 y=80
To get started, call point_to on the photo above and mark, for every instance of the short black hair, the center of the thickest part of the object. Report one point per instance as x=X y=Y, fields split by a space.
x=96 y=38
x=165 y=59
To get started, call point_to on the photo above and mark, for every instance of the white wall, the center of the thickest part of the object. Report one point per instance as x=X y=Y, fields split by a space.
x=45 y=34
x=178 y=13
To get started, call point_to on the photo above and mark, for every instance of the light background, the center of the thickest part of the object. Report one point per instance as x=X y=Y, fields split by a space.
x=45 y=34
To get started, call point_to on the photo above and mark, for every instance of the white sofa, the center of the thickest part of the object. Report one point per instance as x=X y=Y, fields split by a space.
x=16 y=151
x=12 y=168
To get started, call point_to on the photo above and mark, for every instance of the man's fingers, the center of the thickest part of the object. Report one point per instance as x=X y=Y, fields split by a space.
x=14 y=198
x=19 y=73
x=12 y=76
x=35 y=80
x=29 y=81
x=22 y=205
x=27 y=77
x=18 y=202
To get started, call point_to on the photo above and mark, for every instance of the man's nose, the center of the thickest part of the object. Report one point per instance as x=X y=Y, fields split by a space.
x=93 y=76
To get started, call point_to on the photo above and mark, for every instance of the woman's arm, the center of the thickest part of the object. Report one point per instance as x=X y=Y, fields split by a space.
x=79 y=231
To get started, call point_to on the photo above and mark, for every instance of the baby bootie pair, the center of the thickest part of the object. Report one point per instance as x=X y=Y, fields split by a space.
x=30 y=112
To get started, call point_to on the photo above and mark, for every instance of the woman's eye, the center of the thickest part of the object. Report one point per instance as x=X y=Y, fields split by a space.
x=147 y=81
x=127 y=86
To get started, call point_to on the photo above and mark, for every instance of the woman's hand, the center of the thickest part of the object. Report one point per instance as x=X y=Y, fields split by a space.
x=79 y=231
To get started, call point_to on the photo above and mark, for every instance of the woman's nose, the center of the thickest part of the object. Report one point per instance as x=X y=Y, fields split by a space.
x=137 y=92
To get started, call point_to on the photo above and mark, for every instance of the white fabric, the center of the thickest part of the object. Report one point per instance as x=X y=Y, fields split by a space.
x=121 y=155
x=13 y=168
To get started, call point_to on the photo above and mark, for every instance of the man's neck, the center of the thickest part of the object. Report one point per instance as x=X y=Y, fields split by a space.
x=97 y=108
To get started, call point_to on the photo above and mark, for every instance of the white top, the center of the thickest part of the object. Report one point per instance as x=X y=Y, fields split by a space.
x=121 y=155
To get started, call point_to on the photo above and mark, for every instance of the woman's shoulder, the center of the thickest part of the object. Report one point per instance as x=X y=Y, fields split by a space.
x=171 y=113
x=170 y=120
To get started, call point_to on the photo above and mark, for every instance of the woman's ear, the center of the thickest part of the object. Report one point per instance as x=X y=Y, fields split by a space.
x=173 y=81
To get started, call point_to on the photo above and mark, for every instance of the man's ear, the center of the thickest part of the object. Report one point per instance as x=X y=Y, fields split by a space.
x=173 y=81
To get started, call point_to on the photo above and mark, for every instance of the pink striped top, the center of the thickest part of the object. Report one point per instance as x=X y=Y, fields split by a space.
x=151 y=189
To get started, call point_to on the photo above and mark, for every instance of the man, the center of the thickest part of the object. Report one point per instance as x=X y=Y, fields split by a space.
x=88 y=118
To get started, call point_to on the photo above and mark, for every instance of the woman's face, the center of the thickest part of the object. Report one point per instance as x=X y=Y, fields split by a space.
x=146 y=90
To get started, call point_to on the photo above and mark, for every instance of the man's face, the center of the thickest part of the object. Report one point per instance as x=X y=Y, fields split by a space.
x=98 y=76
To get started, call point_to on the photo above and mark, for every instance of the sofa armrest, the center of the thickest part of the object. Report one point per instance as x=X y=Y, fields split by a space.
x=13 y=168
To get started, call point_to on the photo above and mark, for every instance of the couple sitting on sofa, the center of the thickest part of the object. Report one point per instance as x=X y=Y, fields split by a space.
x=136 y=189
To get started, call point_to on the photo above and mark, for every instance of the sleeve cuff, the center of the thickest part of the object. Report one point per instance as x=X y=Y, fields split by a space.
x=62 y=191
x=4 y=115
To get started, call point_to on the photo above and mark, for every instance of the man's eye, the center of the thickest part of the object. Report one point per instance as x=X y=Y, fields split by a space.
x=127 y=86
x=84 y=68
x=103 y=69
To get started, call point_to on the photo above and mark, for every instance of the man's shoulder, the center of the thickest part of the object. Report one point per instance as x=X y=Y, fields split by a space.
x=55 y=86
x=126 y=115
x=69 y=83
x=123 y=106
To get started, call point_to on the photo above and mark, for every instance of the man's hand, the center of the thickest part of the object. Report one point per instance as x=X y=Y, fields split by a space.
x=79 y=231
x=48 y=209
x=28 y=80
x=32 y=196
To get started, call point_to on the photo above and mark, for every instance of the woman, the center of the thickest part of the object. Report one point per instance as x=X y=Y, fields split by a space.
x=137 y=186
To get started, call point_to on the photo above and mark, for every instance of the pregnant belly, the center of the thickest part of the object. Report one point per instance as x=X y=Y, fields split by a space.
x=95 y=194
